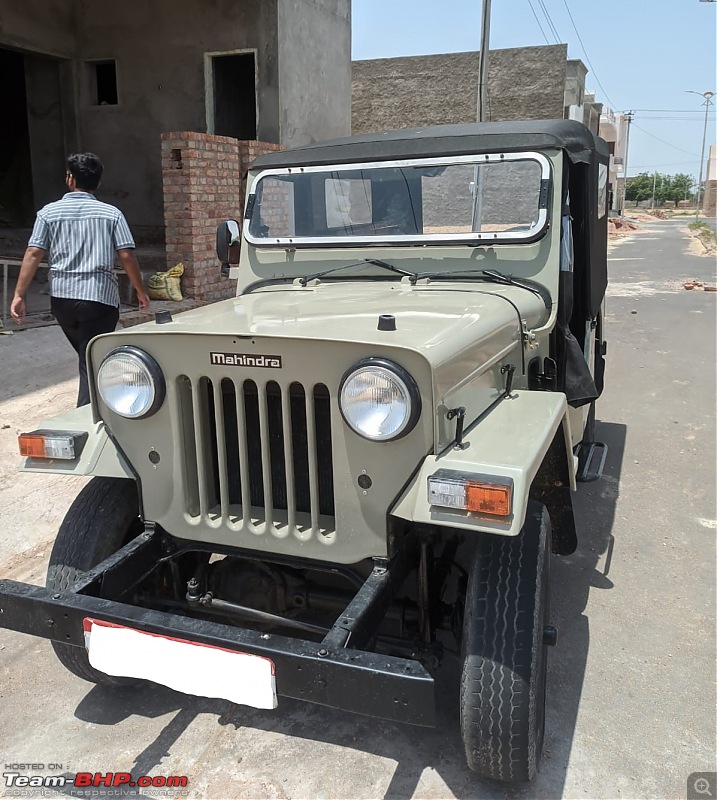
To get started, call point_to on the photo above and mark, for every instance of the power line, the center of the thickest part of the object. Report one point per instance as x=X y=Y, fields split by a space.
x=680 y=119
x=669 y=144
x=587 y=58
x=550 y=21
x=671 y=110
x=652 y=166
x=538 y=21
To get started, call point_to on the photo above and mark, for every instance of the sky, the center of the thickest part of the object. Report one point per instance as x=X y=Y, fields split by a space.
x=644 y=56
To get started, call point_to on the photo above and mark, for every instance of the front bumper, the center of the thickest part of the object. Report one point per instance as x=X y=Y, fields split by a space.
x=329 y=673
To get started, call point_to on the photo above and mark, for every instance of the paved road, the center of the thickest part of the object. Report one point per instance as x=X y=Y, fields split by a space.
x=631 y=697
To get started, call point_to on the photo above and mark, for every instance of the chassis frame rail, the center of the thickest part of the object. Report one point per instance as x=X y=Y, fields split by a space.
x=327 y=673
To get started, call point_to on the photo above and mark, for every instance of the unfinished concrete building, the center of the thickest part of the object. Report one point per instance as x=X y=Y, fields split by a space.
x=111 y=77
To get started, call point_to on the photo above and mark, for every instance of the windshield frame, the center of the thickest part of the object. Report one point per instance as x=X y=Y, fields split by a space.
x=422 y=239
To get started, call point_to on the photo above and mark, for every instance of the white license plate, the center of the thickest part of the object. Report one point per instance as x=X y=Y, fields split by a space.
x=189 y=667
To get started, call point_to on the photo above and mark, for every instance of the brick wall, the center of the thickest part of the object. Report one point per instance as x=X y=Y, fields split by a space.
x=204 y=180
x=248 y=152
x=413 y=91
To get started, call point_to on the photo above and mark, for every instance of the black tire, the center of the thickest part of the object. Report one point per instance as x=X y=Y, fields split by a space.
x=102 y=519
x=502 y=693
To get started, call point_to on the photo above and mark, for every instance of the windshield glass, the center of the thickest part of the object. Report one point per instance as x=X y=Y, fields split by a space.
x=486 y=198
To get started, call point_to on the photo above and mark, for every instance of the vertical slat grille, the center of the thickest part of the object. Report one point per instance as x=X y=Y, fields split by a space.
x=300 y=447
x=252 y=450
x=322 y=424
x=275 y=427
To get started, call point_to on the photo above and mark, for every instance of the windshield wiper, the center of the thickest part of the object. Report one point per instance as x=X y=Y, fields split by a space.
x=375 y=261
x=493 y=276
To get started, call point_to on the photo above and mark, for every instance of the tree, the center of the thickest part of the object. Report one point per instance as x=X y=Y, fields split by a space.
x=679 y=188
x=664 y=188
x=639 y=188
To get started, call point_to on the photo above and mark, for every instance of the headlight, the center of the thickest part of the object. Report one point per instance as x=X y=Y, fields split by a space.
x=379 y=400
x=131 y=383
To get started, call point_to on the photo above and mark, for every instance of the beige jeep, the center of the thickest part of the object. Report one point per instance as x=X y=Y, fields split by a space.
x=365 y=459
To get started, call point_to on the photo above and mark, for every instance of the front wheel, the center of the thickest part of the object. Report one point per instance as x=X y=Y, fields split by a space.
x=502 y=696
x=102 y=519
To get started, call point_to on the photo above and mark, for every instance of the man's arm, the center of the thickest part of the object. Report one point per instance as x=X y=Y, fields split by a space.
x=30 y=262
x=128 y=260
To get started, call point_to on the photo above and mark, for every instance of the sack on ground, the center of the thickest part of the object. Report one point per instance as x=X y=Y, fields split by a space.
x=166 y=285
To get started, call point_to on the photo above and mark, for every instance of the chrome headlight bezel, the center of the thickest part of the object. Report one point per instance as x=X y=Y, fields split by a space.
x=408 y=387
x=155 y=381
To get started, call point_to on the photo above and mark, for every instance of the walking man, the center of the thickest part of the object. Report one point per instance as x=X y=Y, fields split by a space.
x=80 y=236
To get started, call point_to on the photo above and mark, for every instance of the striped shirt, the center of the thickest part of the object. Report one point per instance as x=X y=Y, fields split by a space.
x=81 y=235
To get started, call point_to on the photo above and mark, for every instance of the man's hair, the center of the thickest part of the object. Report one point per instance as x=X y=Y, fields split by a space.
x=86 y=169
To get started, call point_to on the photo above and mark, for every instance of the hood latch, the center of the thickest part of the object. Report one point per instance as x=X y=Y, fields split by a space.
x=459 y=414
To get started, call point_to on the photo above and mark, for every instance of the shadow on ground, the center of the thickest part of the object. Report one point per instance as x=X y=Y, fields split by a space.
x=414 y=749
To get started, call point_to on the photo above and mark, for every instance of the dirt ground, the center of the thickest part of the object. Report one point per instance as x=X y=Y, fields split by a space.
x=39 y=379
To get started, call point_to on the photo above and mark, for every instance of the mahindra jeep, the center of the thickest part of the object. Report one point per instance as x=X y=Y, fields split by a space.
x=362 y=462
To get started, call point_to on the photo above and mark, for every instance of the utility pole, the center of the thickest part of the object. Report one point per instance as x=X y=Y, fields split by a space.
x=708 y=102
x=654 y=181
x=482 y=105
x=481 y=109
x=629 y=115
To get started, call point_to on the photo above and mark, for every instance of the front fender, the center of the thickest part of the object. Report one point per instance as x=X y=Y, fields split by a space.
x=99 y=455
x=511 y=441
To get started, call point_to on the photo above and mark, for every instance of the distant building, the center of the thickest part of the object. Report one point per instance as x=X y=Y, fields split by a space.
x=614 y=129
x=110 y=77
x=523 y=83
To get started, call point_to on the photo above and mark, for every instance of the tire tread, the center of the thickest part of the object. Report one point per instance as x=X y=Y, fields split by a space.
x=502 y=652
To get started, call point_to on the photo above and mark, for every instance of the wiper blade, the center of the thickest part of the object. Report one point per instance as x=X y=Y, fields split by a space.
x=386 y=265
x=490 y=275
x=375 y=261
x=532 y=286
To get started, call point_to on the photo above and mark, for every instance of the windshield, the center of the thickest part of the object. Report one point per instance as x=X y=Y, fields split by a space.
x=470 y=198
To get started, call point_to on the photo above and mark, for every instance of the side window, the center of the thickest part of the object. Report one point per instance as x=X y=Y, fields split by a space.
x=276 y=217
x=348 y=202
x=488 y=198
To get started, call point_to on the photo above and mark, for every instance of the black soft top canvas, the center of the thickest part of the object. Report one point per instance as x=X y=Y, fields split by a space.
x=584 y=153
x=445 y=140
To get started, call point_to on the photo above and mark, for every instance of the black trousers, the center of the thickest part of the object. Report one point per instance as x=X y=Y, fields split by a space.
x=82 y=320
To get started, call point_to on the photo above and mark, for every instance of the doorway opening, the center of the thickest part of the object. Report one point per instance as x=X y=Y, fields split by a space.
x=32 y=134
x=232 y=90
x=16 y=196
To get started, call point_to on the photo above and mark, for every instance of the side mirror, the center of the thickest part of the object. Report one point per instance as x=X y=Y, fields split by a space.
x=228 y=244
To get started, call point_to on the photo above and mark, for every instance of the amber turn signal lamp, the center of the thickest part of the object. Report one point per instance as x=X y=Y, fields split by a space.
x=486 y=498
x=65 y=445
x=480 y=494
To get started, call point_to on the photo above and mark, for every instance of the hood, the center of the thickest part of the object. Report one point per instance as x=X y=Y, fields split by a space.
x=433 y=319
